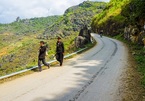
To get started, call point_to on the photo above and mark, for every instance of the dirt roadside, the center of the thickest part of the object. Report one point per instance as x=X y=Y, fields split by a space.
x=131 y=88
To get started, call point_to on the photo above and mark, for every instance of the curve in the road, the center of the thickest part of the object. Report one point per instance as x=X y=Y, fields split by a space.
x=100 y=70
x=90 y=75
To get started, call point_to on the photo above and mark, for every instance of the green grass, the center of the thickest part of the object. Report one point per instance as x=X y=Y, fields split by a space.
x=26 y=53
x=138 y=53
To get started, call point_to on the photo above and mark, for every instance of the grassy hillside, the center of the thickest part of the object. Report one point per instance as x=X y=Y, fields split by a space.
x=119 y=14
x=28 y=26
x=19 y=41
x=75 y=18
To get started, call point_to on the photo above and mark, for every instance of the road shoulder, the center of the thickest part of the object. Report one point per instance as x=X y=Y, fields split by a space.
x=130 y=83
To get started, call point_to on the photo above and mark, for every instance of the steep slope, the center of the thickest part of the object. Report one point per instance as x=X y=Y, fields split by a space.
x=119 y=14
x=75 y=18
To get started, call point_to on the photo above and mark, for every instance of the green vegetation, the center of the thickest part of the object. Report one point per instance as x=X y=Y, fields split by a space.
x=119 y=14
x=140 y=58
x=28 y=26
x=138 y=53
x=19 y=41
x=24 y=54
x=75 y=18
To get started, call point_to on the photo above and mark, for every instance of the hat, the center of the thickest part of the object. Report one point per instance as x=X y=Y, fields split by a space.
x=42 y=42
x=59 y=38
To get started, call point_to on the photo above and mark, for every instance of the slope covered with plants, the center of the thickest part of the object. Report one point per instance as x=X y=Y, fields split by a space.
x=19 y=41
x=118 y=14
x=75 y=18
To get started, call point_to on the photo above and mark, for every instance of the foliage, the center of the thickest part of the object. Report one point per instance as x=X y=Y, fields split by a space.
x=19 y=41
x=76 y=17
x=119 y=13
x=24 y=54
x=28 y=26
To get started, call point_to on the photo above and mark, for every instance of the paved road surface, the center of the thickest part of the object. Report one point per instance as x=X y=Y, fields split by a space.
x=91 y=76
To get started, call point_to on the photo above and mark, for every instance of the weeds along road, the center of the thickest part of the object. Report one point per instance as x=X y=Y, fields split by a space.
x=92 y=76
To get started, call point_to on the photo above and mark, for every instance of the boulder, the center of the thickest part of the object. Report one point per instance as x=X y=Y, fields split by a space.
x=126 y=33
x=134 y=38
x=140 y=37
x=83 y=38
x=79 y=41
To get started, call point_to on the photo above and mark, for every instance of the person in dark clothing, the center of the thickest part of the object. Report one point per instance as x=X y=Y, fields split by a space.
x=41 y=56
x=59 y=51
x=101 y=33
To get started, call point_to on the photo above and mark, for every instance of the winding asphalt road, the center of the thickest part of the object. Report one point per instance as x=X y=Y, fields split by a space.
x=92 y=76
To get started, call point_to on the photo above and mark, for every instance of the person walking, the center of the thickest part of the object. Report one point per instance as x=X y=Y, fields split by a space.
x=101 y=33
x=41 y=56
x=59 y=51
